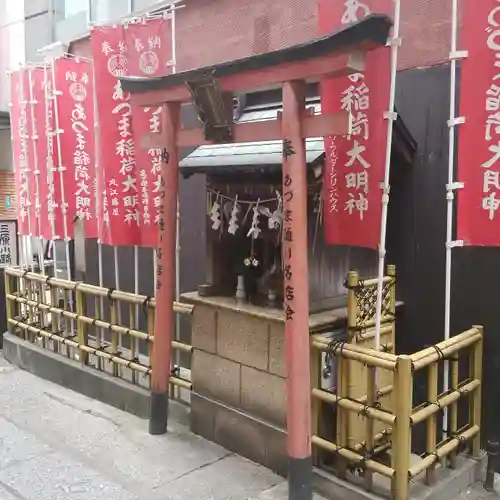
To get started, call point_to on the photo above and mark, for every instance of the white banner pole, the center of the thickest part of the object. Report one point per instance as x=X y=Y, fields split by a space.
x=35 y=139
x=451 y=187
x=25 y=137
x=49 y=131
x=391 y=117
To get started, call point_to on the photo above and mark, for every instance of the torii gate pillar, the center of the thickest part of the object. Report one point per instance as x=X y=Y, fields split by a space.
x=340 y=53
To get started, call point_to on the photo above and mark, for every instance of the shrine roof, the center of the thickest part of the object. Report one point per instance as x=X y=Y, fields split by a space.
x=367 y=34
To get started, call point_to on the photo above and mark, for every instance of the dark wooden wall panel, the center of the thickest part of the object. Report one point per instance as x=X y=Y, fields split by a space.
x=417 y=234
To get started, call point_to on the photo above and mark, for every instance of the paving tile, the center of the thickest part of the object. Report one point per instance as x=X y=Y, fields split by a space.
x=16 y=445
x=232 y=478
x=56 y=477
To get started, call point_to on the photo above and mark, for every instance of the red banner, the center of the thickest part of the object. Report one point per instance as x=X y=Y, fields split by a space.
x=130 y=204
x=149 y=47
x=354 y=166
x=22 y=149
x=74 y=183
x=479 y=137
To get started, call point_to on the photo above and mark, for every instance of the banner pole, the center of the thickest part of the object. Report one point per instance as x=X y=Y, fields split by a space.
x=35 y=138
x=177 y=359
x=12 y=121
x=391 y=116
x=61 y=168
x=26 y=166
x=50 y=166
x=451 y=186
x=99 y=191
x=136 y=287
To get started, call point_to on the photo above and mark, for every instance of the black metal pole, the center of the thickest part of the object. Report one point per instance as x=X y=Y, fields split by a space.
x=493 y=449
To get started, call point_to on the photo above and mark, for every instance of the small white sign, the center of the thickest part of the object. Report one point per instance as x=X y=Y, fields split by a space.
x=8 y=243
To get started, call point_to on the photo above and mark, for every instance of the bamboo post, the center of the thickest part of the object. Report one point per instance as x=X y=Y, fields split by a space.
x=352 y=302
x=369 y=439
x=98 y=303
x=432 y=396
x=343 y=367
x=315 y=402
x=81 y=327
x=403 y=394
x=133 y=342
x=10 y=305
x=66 y=322
x=391 y=272
x=476 y=373
x=42 y=312
x=151 y=331
x=54 y=318
x=114 y=335
x=453 y=424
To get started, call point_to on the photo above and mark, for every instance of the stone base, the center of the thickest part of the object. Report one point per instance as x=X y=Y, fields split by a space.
x=87 y=381
x=449 y=483
x=240 y=432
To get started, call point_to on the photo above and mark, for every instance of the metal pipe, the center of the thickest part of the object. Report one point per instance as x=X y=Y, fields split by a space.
x=61 y=168
x=450 y=196
x=35 y=138
x=178 y=213
x=391 y=117
x=26 y=167
x=493 y=451
x=50 y=163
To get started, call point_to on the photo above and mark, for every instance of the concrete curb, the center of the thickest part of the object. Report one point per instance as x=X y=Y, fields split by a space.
x=87 y=381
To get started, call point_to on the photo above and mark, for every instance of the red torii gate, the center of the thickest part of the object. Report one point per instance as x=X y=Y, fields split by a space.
x=211 y=89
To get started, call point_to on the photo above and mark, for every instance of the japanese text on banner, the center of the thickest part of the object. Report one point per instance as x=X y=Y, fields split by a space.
x=479 y=137
x=149 y=47
x=354 y=165
x=116 y=177
x=22 y=146
x=132 y=178
x=73 y=81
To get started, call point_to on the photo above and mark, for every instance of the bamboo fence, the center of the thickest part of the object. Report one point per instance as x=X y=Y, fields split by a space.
x=39 y=310
x=373 y=398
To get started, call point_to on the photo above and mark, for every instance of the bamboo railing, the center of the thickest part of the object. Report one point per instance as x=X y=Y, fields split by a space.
x=83 y=322
x=374 y=435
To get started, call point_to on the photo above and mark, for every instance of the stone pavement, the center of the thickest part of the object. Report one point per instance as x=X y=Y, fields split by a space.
x=58 y=445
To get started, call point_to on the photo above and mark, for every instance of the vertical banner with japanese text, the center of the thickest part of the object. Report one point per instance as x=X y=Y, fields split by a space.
x=75 y=108
x=149 y=46
x=478 y=214
x=354 y=166
x=129 y=175
x=22 y=150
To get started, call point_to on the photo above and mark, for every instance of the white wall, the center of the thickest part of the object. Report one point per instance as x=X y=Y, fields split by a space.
x=12 y=43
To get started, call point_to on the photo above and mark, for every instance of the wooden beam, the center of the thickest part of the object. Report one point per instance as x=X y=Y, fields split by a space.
x=269 y=130
x=327 y=66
